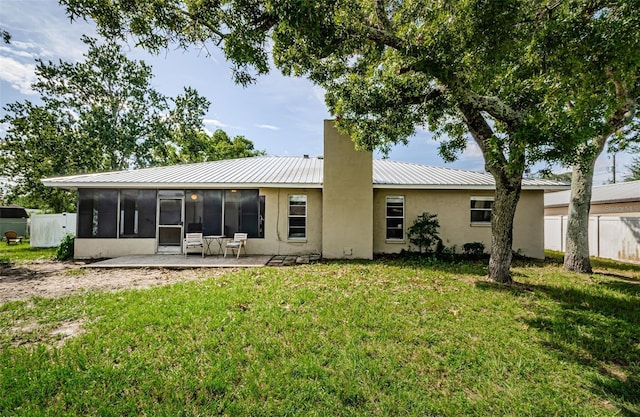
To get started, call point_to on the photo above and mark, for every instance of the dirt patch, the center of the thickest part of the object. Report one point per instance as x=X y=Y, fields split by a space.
x=55 y=279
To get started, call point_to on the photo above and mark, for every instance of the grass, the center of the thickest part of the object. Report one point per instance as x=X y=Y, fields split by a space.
x=22 y=253
x=339 y=338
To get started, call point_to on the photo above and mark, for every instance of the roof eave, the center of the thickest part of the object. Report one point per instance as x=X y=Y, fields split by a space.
x=435 y=186
x=174 y=185
x=487 y=187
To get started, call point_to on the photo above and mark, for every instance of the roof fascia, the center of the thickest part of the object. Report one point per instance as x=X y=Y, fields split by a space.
x=173 y=185
x=464 y=187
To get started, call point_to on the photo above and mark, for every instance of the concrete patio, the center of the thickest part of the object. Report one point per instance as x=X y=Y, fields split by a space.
x=181 y=261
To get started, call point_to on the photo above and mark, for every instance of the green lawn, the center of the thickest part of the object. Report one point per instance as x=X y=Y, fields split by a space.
x=361 y=338
x=21 y=253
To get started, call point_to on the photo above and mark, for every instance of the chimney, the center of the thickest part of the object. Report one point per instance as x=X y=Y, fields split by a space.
x=347 y=198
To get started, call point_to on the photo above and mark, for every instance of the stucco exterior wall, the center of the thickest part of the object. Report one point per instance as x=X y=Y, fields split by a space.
x=111 y=248
x=276 y=240
x=347 y=198
x=528 y=228
x=453 y=210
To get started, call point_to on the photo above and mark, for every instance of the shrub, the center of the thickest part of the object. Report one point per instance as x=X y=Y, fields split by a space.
x=65 y=250
x=473 y=249
x=424 y=233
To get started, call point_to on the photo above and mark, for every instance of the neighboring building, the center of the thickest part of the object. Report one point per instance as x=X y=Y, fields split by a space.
x=620 y=199
x=614 y=221
x=342 y=205
x=13 y=218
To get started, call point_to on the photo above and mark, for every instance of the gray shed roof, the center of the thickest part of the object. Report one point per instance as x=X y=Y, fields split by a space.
x=610 y=193
x=290 y=172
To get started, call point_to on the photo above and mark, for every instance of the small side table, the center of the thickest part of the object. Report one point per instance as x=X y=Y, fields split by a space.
x=208 y=240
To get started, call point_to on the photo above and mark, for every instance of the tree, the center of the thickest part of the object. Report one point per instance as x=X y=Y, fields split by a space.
x=462 y=68
x=634 y=169
x=98 y=114
x=546 y=174
x=597 y=69
x=202 y=147
x=186 y=141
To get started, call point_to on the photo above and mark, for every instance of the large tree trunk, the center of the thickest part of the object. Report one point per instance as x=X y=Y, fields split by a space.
x=507 y=173
x=576 y=256
x=502 y=215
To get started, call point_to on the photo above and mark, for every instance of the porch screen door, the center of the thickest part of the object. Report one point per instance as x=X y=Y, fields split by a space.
x=170 y=221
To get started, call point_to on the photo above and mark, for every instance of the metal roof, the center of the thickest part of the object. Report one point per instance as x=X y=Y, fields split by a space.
x=393 y=174
x=610 y=193
x=261 y=171
x=291 y=172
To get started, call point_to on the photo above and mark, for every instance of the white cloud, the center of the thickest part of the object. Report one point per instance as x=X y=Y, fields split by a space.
x=472 y=150
x=4 y=127
x=270 y=127
x=20 y=76
x=18 y=52
x=214 y=122
x=319 y=93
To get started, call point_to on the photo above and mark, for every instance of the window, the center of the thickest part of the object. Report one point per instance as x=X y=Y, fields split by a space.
x=241 y=212
x=297 y=216
x=97 y=213
x=481 y=210
x=138 y=213
x=395 y=218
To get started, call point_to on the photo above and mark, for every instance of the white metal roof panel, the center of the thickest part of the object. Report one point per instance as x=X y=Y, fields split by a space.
x=274 y=171
x=610 y=193
x=250 y=172
x=394 y=174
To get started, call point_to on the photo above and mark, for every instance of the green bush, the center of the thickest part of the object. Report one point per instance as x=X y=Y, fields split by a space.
x=473 y=249
x=65 y=250
x=424 y=233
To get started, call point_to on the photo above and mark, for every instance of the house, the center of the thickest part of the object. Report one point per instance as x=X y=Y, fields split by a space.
x=614 y=221
x=342 y=205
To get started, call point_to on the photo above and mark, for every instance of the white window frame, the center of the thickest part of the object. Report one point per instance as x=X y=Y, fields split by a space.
x=388 y=199
x=483 y=209
x=297 y=198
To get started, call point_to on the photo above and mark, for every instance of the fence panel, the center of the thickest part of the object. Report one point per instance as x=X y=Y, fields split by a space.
x=610 y=237
x=47 y=230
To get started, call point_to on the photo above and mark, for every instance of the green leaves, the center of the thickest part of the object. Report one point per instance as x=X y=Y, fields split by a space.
x=101 y=114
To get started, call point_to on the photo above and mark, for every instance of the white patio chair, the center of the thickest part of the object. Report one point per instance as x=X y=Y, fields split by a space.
x=239 y=242
x=193 y=240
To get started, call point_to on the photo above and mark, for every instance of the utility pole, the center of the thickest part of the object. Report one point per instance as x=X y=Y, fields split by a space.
x=614 y=168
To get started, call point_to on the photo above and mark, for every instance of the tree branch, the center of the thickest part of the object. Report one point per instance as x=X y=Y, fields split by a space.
x=387 y=38
x=495 y=107
x=430 y=95
x=197 y=21
x=381 y=14
x=625 y=111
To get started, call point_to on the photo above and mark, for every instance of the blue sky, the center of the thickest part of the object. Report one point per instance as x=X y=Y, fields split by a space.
x=281 y=115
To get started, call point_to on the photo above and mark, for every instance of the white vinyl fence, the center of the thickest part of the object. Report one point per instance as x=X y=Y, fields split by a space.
x=47 y=230
x=609 y=236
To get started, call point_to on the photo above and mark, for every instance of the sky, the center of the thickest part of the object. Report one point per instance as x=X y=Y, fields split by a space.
x=281 y=115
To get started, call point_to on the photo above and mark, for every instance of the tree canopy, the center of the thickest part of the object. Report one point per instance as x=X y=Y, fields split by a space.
x=490 y=70
x=100 y=114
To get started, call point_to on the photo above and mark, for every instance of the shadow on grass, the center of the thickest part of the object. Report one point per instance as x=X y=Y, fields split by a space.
x=597 y=331
x=456 y=265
